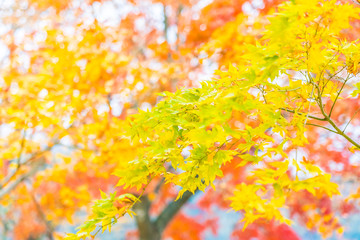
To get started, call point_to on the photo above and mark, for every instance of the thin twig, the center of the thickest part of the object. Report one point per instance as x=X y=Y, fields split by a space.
x=300 y=113
x=332 y=77
x=352 y=117
x=11 y=186
x=337 y=96
x=308 y=111
x=328 y=119
x=49 y=227
x=22 y=146
x=166 y=23
x=311 y=124
x=8 y=178
x=287 y=90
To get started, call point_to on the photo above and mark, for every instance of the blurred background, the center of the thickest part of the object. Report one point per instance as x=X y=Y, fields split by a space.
x=73 y=70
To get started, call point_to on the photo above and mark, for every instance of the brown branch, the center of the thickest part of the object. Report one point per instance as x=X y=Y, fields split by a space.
x=146 y=227
x=12 y=185
x=159 y=185
x=8 y=177
x=170 y=211
x=166 y=23
x=152 y=229
x=49 y=227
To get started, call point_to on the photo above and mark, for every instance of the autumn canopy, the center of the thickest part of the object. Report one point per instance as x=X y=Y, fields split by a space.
x=179 y=119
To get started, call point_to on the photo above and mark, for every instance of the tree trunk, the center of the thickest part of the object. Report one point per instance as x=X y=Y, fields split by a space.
x=152 y=230
x=147 y=229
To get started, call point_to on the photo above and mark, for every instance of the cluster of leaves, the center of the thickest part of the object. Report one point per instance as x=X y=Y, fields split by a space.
x=280 y=84
x=69 y=78
x=106 y=213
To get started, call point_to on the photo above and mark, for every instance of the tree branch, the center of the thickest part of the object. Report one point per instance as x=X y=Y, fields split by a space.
x=166 y=26
x=11 y=186
x=12 y=174
x=352 y=117
x=315 y=125
x=49 y=227
x=328 y=119
x=147 y=229
x=337 y=96
x=310 y=116
x=22 y=146
x=170 y=211
x=342 y=133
